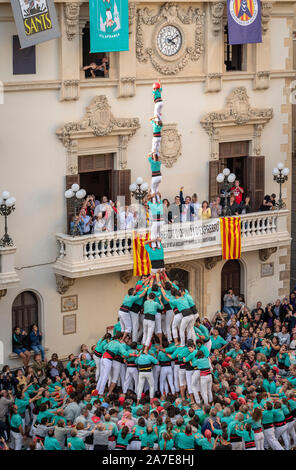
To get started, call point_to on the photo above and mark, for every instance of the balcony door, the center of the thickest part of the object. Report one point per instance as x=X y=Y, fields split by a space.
x=231 y=278
x=249 y=170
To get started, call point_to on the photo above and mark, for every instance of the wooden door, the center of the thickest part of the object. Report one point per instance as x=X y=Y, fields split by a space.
x=70 y=179
x=121 y=180
x=215 y=167
x=231 y=278
x=255 y=186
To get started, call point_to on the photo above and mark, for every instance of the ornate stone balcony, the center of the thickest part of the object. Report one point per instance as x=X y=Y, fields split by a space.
x=112 y=251
x=8 y=276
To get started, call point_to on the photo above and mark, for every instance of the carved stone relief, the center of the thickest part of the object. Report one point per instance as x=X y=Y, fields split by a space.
x=63 y=283
x=126 y=87
x=266 y=10
x=70 y=90
x=170 y=13
x=71 y=11
x=217 y=9
x=171 y=146
x=266 y=253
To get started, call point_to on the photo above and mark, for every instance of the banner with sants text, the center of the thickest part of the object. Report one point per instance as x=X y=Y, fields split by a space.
x=36 y=21
x=142 y=264
x=108 y=25
x=244 y=21
x=231 y=237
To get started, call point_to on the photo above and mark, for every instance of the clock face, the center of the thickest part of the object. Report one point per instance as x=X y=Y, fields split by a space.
x=169 y=40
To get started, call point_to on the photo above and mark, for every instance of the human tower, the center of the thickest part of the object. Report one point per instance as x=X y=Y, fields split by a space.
x=161 y=339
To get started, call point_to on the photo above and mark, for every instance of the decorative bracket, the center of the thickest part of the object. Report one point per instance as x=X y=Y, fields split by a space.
x=71 y=11
x=125 y=276
x=217 y=10
x=63 y=283
x=210 y=263
x=266 y=253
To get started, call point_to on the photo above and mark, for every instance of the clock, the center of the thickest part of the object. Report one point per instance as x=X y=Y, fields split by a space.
x=169 y=40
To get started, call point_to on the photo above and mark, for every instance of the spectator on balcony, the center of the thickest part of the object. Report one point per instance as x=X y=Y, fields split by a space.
x=204 y=212
x=76 y=221
x=273 y=200
x=216 y=208
x=234 y=208
x=238 y=192
x=245 y=206
x=99 y=224
x=167 y=213
x=176 y=210
x=196 y=206
x=36 y=340
x=86 y=221
x=187 y=210
x=102 y=206
x=98 y=70
x=266 y=204
x=89 y=205
x=126 y=219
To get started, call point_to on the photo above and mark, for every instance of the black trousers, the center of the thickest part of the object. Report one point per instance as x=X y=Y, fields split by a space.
x=99 y=447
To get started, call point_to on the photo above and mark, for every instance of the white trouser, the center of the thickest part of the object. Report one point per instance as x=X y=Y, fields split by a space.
x=158 y=109
x=156 y=141
x=155 y=231
x=283 y=431
x=208 y=345
x=122 y=374
x=148 y=330
x=176 y=377
x=184 y=327
x=106 y=365
x=115 y=371
x=206 y=388
x=163 y=322
x=182 y=377
x=16 y=440
x=97 y=361
x=291 y=431
x=125 y=321
x=130 y=377
x=270 y=439
x=135 y=325
x=176 y=324
x=111 y=445
x=189 y=374
x=195 y=383
x=155 y=182
x=140 y=330
x=166 y=373
x=142 y=377
x=168 y=324
x=190 y=329
x=156 y=374
x=259 y=440
x=134 y=445
x=158 y=329
x=237 y=445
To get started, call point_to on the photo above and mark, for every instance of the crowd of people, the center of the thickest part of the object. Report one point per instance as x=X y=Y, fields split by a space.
x=163 y=378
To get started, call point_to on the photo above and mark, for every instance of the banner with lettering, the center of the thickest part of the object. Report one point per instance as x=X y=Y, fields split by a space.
x=244 y=21
x=36 y=21
x=108 y=25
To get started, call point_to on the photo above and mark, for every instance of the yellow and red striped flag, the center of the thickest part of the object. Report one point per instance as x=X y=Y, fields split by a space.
x=142 y=264
x=231 y=237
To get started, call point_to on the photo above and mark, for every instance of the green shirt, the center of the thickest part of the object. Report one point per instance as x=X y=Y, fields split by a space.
x=154 y=165
x=76 y=443
x=151 y=307
x=156 y=253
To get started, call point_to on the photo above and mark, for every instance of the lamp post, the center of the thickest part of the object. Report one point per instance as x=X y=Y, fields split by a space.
x=139 y=190
x=280 y=175
x=227 y=179
x=7 y=206
x=77 y=195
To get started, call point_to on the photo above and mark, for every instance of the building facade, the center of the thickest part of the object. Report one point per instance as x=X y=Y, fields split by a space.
x=223 y=106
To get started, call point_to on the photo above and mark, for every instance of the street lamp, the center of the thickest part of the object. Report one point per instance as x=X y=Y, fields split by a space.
x=139 y=190
x=280 y=175
x=227 y=179
x=77 y=195
x=7 y=206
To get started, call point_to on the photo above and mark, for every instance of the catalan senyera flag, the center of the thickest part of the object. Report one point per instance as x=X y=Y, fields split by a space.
x=142 y=264
x=231 y=237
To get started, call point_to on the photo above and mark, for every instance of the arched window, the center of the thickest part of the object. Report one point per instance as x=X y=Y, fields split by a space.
x=179 y=275
x=25 y=310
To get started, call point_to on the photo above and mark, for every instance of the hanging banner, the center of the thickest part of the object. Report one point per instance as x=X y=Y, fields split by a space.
x=108 y=25
x=244 y=21
x=231 y=237
x=36 y=21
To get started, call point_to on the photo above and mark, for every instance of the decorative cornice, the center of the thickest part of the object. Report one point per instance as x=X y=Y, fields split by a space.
x=71 y=11
x=237 y=111
x=98 y=121
x=169 y=13
x=217 y=10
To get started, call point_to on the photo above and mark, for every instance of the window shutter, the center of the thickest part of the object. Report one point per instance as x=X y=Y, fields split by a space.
x=70 y=179
x=121 y=180
x=215 y=167
x=255 y=180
